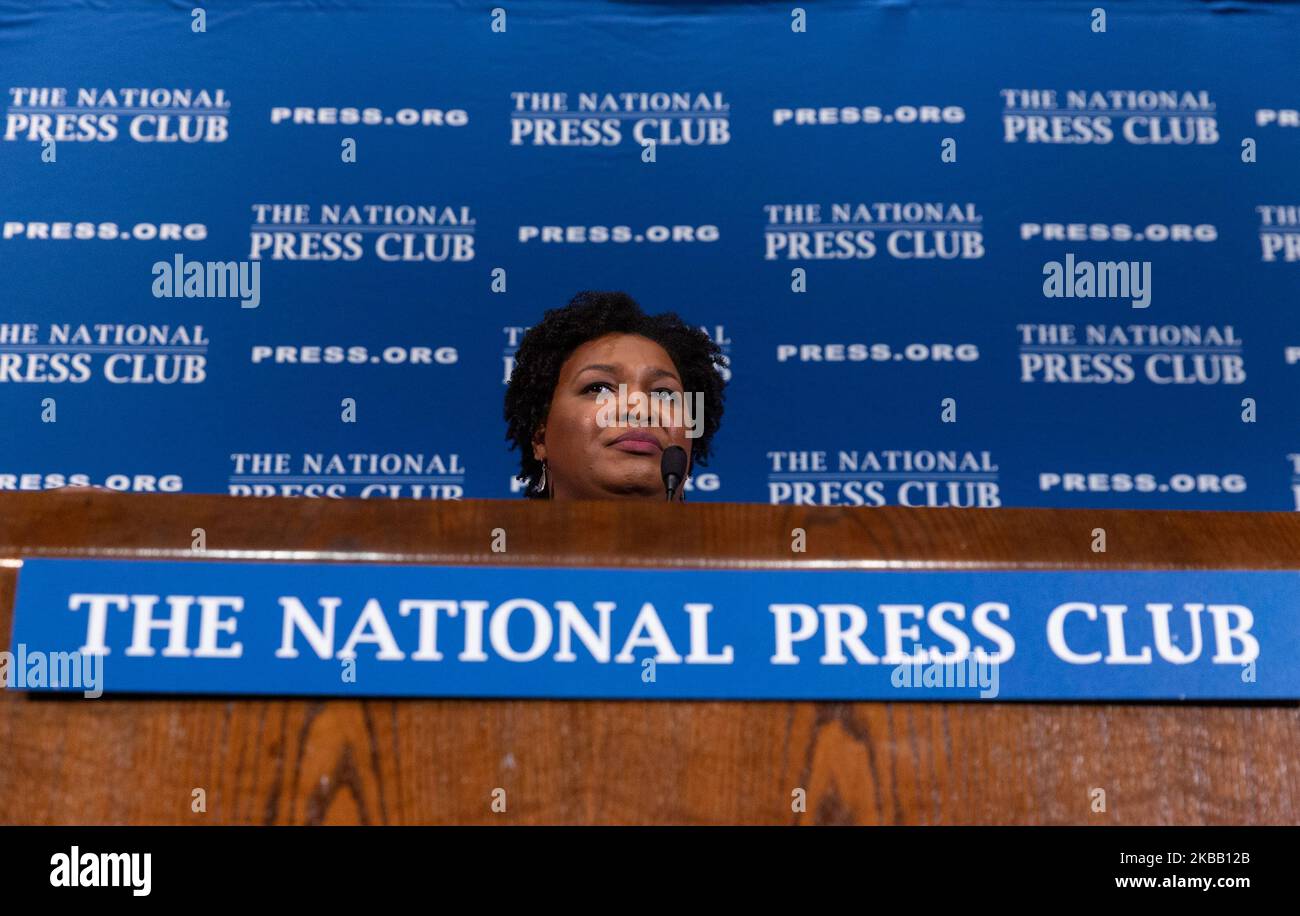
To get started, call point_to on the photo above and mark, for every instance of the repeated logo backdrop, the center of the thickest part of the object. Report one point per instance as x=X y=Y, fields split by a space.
x=897 y=222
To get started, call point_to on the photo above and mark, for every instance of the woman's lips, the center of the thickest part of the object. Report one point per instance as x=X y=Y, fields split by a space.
x=636 y=443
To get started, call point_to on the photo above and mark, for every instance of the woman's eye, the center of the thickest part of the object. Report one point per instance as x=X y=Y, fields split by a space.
x=662 y=393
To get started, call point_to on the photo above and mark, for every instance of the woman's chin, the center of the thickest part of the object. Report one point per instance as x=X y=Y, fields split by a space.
x=639 y=485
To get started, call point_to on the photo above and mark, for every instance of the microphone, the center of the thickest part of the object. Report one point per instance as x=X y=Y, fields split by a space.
x=673 y=468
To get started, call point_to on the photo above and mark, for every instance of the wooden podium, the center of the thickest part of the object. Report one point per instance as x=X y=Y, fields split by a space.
x=295 y=761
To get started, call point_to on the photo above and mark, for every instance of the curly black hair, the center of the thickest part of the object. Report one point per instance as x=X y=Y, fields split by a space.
x=589 y=315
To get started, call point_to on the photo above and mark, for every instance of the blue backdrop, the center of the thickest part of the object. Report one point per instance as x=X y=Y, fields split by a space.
x=857 y=199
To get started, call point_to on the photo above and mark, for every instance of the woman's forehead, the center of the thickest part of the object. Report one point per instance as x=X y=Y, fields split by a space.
x=618 y=351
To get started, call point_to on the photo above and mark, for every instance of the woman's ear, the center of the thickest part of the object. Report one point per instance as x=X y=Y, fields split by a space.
x=539 y=443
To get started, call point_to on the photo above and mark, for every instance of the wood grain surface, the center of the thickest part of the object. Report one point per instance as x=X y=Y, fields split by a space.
x=259 y=761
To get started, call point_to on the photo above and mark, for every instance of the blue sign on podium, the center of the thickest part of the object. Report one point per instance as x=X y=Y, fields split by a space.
x=209 y=627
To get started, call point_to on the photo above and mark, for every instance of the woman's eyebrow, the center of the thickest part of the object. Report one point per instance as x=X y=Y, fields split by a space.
x=660 y=373
x=605 y=367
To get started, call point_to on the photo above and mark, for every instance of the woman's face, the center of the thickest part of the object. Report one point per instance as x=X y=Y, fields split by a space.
x=617 y=460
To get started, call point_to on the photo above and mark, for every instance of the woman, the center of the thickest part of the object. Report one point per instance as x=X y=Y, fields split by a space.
x=577 y=437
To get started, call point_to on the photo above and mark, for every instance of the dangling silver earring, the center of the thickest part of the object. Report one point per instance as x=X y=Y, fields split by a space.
x=541 y=482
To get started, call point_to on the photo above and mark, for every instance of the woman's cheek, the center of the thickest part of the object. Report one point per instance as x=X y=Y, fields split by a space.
x=593 y=421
